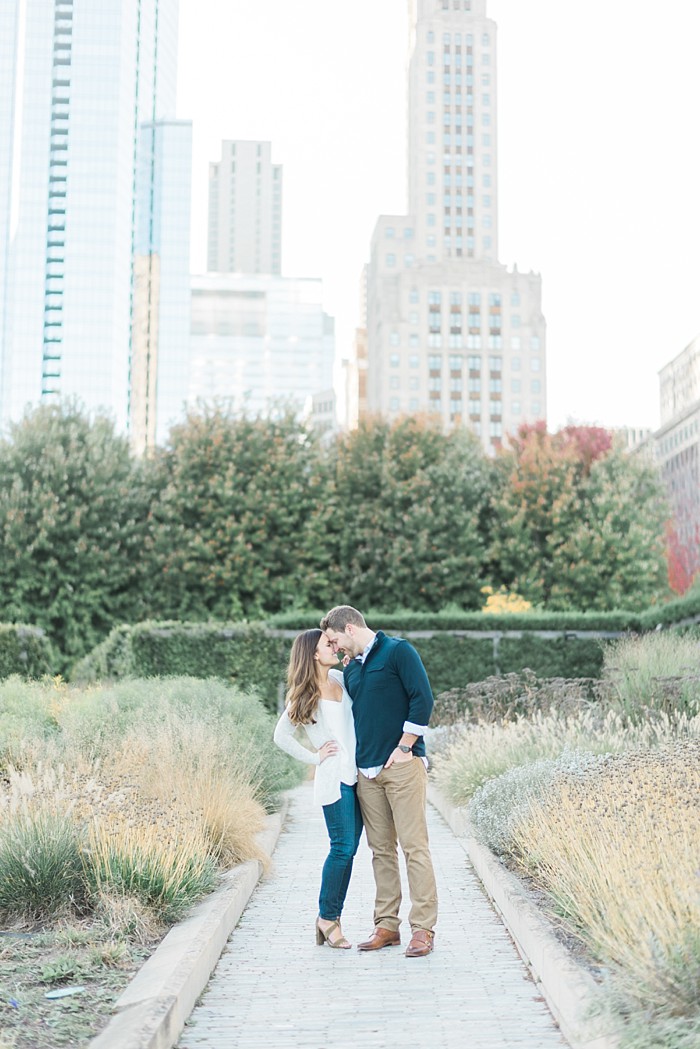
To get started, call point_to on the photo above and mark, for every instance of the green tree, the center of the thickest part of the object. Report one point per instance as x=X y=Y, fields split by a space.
x=73 y=527
x=615 y=556
x=577 y=524
x=401 y=519
x=230 y=518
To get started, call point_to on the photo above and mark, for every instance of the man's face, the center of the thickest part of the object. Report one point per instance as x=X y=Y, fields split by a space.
x=345 y=641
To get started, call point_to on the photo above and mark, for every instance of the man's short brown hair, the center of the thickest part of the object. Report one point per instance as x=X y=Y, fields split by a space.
x=339 y=617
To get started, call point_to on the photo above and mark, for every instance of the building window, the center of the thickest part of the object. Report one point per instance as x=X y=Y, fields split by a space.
x=413 y=360
x=394 y=360
x=495 y=385
x=496 y=364
x=413 y=295
x=413 y=340
x=394 y=404
x=391 y=260
x=515 y=298
x=434 y=362
x=474 y=385
x=389 y=232
x=535 y=364
x=515 y=320
x=515 y=385
x=435 y=384
x=515 y=364
x=496 y=429
x=474 y=364
x=435 y=340
x=515 y=408
x=536 y=409
x=394 y=382
x=456 y=363
x=394 y=339
x=535 y=342
x=515 y=342
x=413 y=404
x=495 y=408
x=535 y=386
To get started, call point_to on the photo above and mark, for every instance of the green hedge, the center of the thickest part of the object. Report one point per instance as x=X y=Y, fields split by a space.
x=402 y=620
x=255 y=657
x=671 y=613
x=26 y=651
x=569 y=657
x=245 y=655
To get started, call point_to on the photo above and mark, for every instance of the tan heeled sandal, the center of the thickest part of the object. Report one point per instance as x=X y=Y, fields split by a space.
x=323 y=936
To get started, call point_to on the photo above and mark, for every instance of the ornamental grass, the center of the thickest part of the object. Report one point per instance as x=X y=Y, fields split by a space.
x=616 y=846
x=124 y=802
x=480 y=752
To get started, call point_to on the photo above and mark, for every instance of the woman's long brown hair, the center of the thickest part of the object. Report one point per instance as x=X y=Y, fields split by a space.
x=303 y=692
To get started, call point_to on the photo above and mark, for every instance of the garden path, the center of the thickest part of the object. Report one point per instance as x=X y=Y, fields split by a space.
x=274 y=987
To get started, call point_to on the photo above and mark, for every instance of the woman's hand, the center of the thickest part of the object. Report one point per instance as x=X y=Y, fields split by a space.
x=328 y=750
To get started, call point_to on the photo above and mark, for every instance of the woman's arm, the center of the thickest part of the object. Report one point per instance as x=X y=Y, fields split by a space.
x=284 y=738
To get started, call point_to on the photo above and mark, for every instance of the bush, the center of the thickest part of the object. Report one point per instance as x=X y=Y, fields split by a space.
x=506 y=697
x=185 y=710
x=569 y=657
x=25 y=714
x=659 y=671
x=473 y=754
x=247 y=656
x=41 y=866
x=614 y=844
x=167 y=875
x=25 y=650
x=405 y=620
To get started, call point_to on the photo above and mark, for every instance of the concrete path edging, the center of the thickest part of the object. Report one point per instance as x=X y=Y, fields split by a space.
x=152 y=1010
x=566 y=986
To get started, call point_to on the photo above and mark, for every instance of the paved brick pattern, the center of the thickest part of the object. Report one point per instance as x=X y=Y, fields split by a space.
x=274 y=987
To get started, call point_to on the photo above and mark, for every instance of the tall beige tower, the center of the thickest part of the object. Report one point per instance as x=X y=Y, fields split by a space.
x=450 y=330
x=245 y=210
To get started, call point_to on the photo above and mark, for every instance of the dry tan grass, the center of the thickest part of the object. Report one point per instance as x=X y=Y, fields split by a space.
x=176 y=782
x=618 y=848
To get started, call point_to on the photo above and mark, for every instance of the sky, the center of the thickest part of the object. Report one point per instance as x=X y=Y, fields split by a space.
x=599 y=169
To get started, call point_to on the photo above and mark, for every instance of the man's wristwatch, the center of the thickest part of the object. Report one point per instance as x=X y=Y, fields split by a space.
x=404 y=749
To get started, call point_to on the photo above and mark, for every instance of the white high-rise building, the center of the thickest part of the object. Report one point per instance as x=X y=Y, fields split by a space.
x=261 y=342
x=245 y=210
x=79 y=80
x=452 y=332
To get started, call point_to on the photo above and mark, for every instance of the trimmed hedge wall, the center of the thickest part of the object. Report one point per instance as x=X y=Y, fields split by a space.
x=458 y=648
x=245 y=655
x=255 y=657
x=25 y=650
x=403 y=620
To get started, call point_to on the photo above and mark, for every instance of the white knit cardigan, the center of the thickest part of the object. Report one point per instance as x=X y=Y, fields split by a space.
x=327 y=774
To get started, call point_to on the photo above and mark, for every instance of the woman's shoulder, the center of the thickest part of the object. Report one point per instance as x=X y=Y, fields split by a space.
x=337 y=675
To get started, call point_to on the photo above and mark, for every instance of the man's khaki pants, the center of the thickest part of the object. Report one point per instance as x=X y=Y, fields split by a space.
x=393 y=808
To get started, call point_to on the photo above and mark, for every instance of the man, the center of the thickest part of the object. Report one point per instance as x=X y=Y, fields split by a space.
x=392 y=703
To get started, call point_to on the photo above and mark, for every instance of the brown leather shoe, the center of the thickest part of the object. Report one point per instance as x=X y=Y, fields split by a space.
x=421 y=943
x=380 y=938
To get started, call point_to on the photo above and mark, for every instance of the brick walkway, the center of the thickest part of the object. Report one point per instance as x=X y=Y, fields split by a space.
x=274 y=987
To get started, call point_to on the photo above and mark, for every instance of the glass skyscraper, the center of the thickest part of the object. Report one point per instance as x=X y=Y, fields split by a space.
x=79 y=83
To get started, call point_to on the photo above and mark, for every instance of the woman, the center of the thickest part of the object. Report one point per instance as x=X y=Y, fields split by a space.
x=317 y=700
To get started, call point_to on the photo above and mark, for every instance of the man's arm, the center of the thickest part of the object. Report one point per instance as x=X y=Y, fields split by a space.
x=412 y=675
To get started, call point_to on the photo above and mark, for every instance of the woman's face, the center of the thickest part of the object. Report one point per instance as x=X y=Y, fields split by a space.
x=324 y=652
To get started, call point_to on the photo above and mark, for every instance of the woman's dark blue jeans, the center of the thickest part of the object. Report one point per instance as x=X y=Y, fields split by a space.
x=344 y=823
